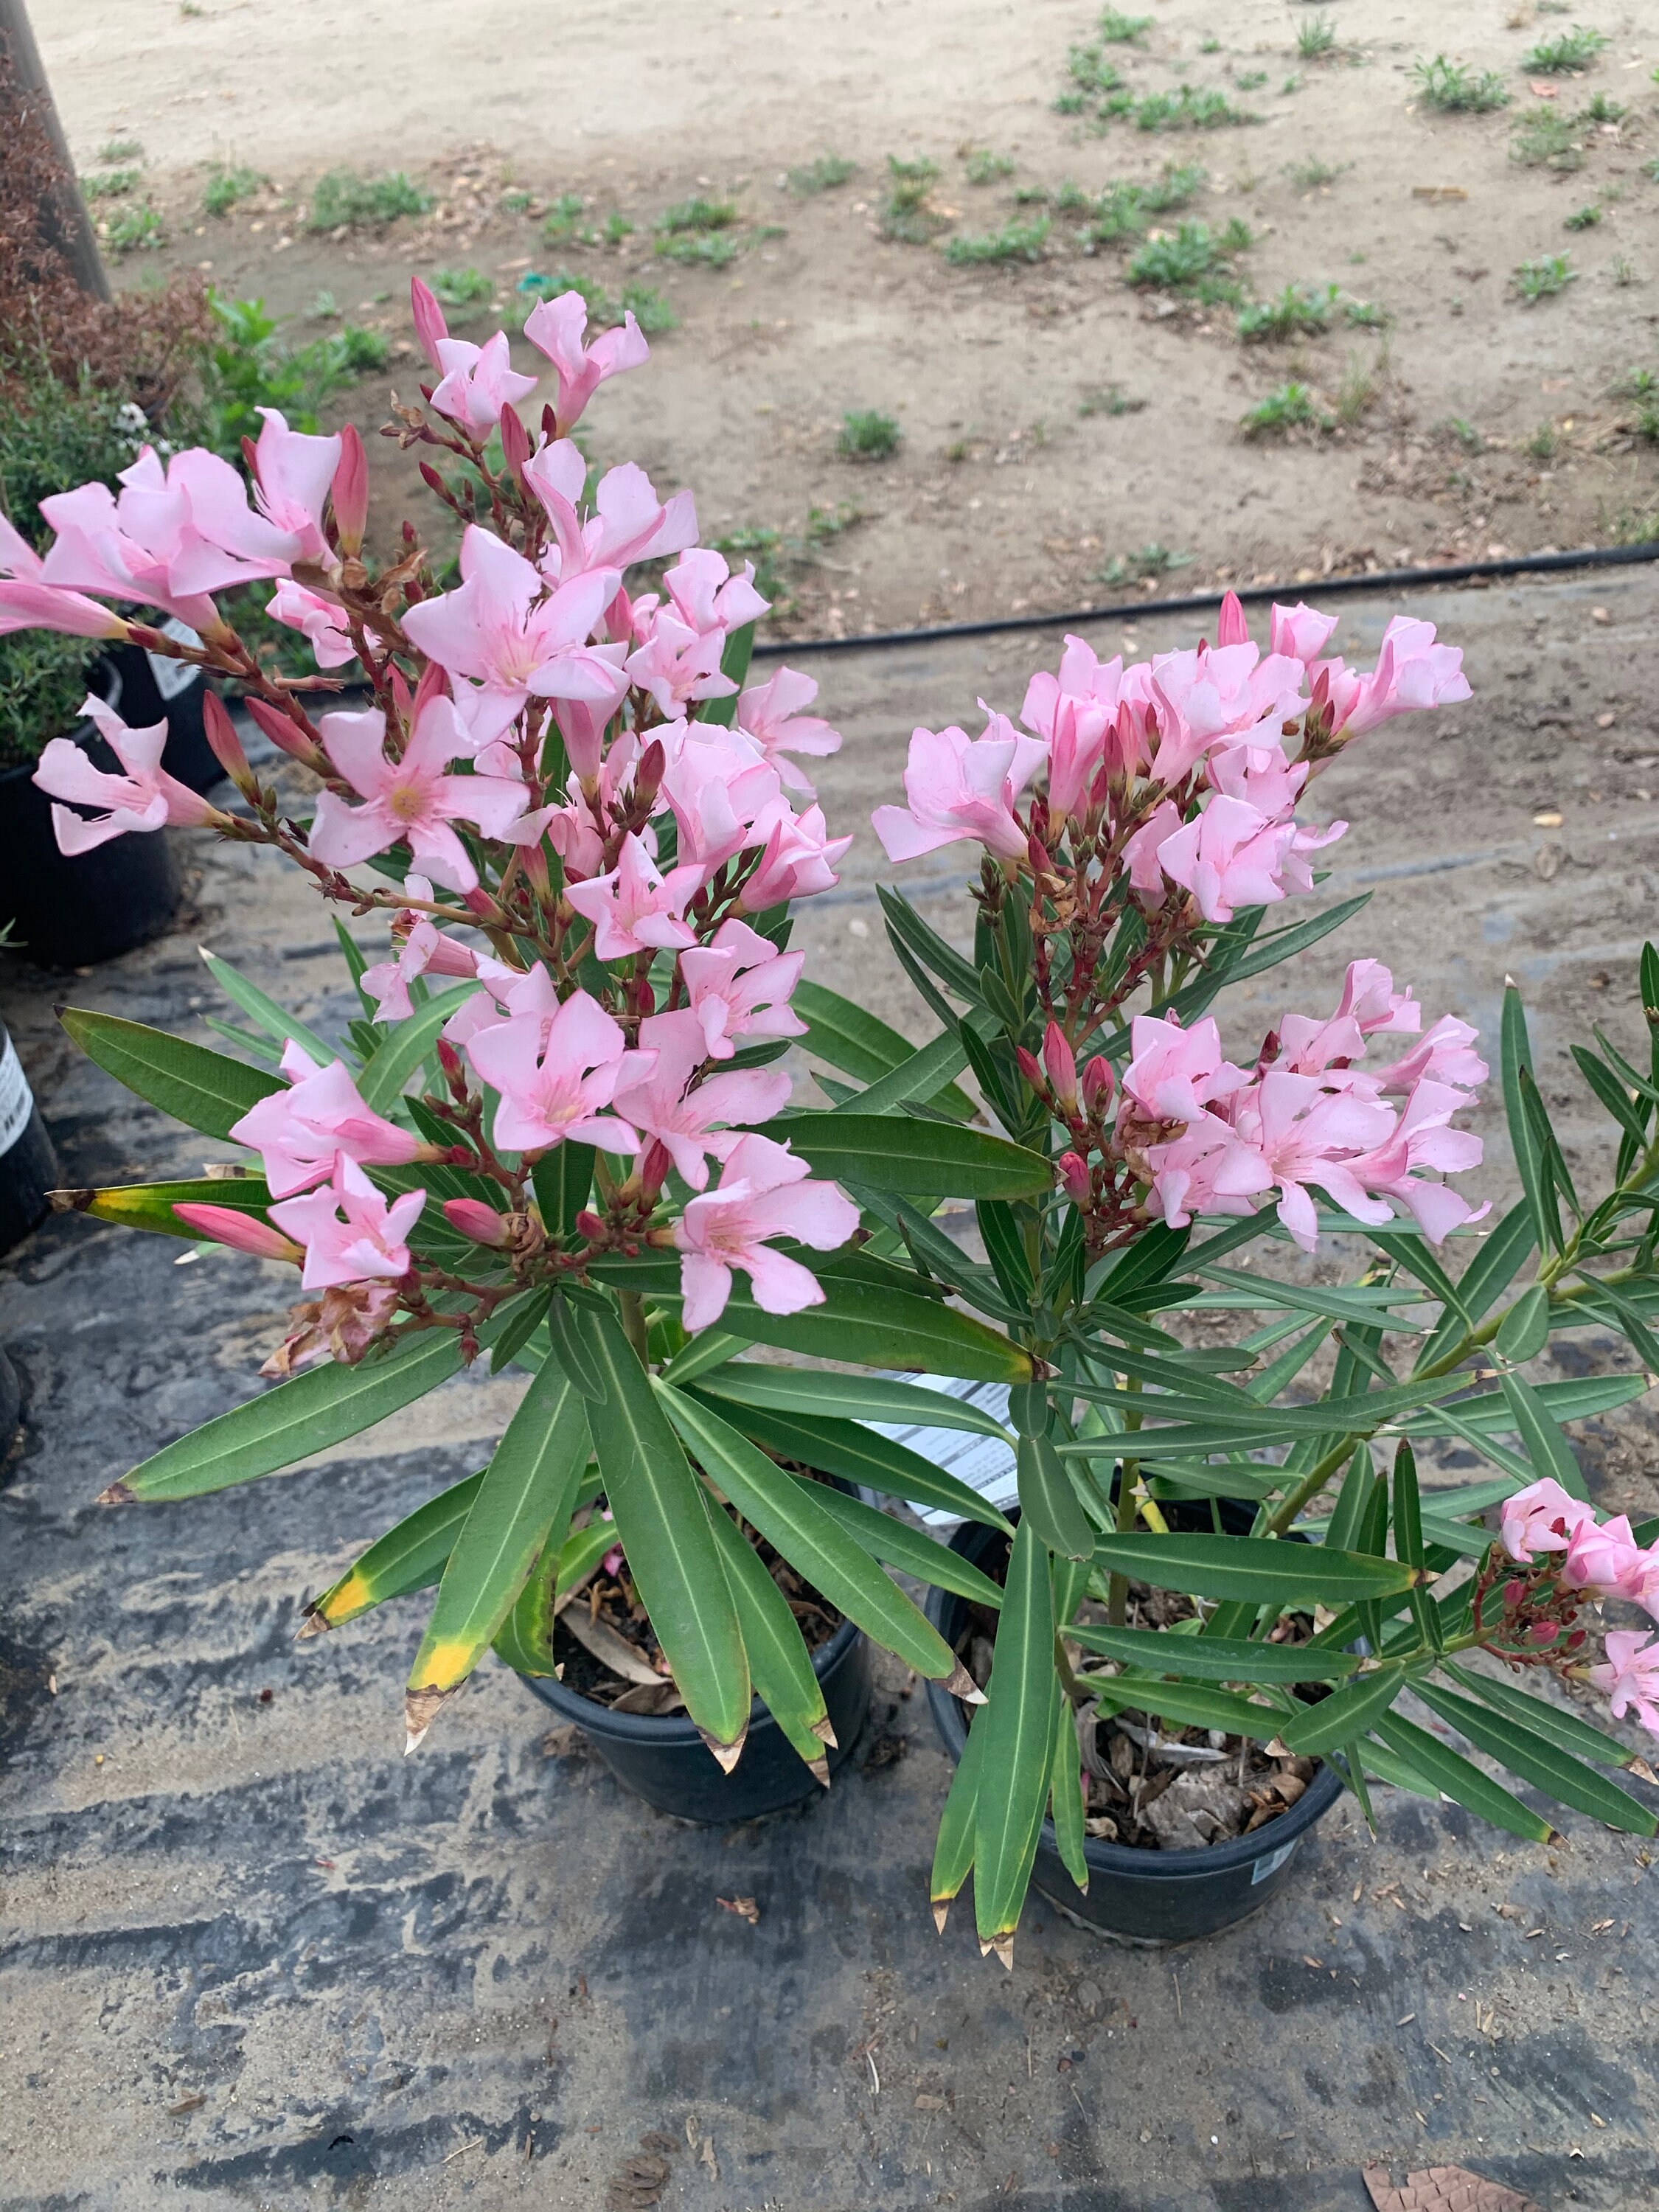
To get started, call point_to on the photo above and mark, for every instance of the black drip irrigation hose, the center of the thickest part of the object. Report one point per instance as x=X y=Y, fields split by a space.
x=1376 y=579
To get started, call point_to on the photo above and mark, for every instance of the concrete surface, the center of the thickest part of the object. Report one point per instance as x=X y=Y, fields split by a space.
x=252 y=1956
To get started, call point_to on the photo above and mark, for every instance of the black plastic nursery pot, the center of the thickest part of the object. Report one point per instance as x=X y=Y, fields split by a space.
x=156 y=689
x=662 y=1759
x=11 y=1407
x=28 y=1166
x=71 y=912
x=1141 y=1896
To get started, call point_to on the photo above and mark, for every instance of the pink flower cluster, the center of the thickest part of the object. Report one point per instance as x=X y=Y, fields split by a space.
x=1601 y=1560
x=1207 y=728
x=1209 y=1137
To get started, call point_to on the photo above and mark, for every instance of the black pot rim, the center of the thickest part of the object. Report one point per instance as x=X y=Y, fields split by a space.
x=1107 y=1857
x=668 y=1730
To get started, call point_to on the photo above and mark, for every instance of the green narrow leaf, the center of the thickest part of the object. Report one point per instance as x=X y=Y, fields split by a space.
x=857 y=1455
x=1537 y=1760
x=572 y=1351
x=1516 y=1059
x=778 y=1662
x=1488 y=1275
x=1006 y=1249
x=356 y=962
x=528 y=1488
x=853 y=1039
x=1018 y=1756
x=411 y=1556
x=1347 y=1713
x=528 y=1315
x=562 y=1179
x=208 y=1091
x=149 y=1205
x=912 y=1550
x=1065 y=1794
x=663 y=1526
x=953 y=1847
x=524 y=1641
x=930 y=1159
x=849 y=1397
x=1611 y=1093
x=1525 y=1328
x=712 y=1349
x=1193 y=1706
x=1388 y=1766
x=906 y=928
x=1566 y=1731
x=922 y=1076
x=1214 y=1658
x=391 y=1063
x=322 y=1406
x=275 y=1020
x=1546 y=1447
x=1050 y=1502
x=799 y=1527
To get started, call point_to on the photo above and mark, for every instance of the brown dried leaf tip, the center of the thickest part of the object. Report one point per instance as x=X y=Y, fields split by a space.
x=421 y=1708
x=316 y=1623
x=1443 y=2189
x=117 y=1494
x=960 y=1683
x=726 y=1755
x=941 y=1912
x=69 y=1201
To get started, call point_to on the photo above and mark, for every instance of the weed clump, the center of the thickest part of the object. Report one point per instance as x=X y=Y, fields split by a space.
x=113 y=184
x=1316 y=41
x=867 y=435
x=1455 y=90
x=344 y=201
x=906 y=215
x=1196 y=261
x=1546 y=140
x=461 y=287
x=135 y=230
x=823 y=175
x=984 y=167
x=1542 y=279
x=1015 y=241
x=1299 y=311
x=227 y=188
x=1290 y=408
x=1566 y=53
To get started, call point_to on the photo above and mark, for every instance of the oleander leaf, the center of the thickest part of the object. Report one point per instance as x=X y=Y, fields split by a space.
x=206 y=1091
x=411 y=1556
x=1018 y=1724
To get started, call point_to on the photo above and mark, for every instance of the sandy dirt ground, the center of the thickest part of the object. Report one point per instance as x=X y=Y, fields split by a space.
x=1467 y=422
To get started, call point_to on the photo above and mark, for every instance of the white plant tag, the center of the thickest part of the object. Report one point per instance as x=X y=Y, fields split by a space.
x=17 y=1101
x=173 y=677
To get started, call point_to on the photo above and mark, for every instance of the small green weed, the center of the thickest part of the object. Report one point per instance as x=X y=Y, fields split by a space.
x=1141 y=566
x=1290 y=408
x=1015 y=241
x=1584 y=218
x=121 y=149
x=1108 y=399
x=113 y=185
x=867 y=435
x=1622 y=269
x=1601 y=109
x=827 y=522
x=1459 y=428
x=226 y=188
x=1309 y=176
x=1091 y=72
x=135 y=230
x=1357 y=393
x=1187 y=110
x=1209 y=45
x=984 y=167
x=250 y=367
x=344 y=201
x=1454 y=90
x=461 y=287
x=563 y=223
x=649 y=310
x=699 y=214
x=1251 y=80
x=1299 y=311
x=1316 y=41
x=823 y=175
x=698 y=249
x=616 y=227
x=906 y=216
x=1546 y=140
x=1631 y=525
x=1545 y=442
x=324 y=308
x=1196 y=261
x=1567 y=52
x=517 y=202
x=1120 y=30
x=1542 y=279
x=1365 y=315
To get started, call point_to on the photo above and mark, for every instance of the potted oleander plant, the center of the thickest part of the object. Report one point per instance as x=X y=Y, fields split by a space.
x=558 y=1136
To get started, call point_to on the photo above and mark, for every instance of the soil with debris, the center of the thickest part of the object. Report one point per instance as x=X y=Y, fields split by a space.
x=1155 y=1788
x=606 y=1648
x=1067 y=433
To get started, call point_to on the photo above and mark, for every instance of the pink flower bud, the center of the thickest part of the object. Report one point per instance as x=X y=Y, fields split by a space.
x=430 y=328
x=515 y=439
x=1030 y=1068
x=588 y=1224
x=432 y=684
x=223 y=742
x=1543 y=1632
x=1074 y=1177
x=1231 y=629
x=243 y=1232
x=283 y=731
x=472 y=1218
x=450 y=1061
x=351 y=491
x=1057 y=1058
x=1098 y=1084
x=653 y=1166
x=1514 y=1593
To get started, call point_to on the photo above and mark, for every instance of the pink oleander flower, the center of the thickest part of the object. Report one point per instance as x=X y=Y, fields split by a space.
x=349 y=1233
x=144 y=798
x=675 y=664
x=1227 y=696
x=1606 y=1560
x=158 y=542
x=556 y=328
x=243 y=1232
x=507 y=637
x=628 y=522
x=709 y=594
x=684 y=1121
x=961 y=787
x=477 y=382
x=299 y=1133
x=349 y=491
x=739 y=987
x=1286 y=1134
x=770 y=714
x=1073 y=1171
x=1230 y=856
x=1173 y=1073
x=636 y=908
x=1088 y=716
x=724 y=793
x=1369 y=1006
x=321 y=620
x=1411 y=672
x=1141 y=850
x=477 y=1222
x=293 y=474
x=425 y=951
x=1299 y=633
x=26 y=602
x=1083 y=677
x=1422 y=1138
x=762 y=1193
x=1443 y=1054
x=506 y=992
x=554 y=1077
x=1631 y=1675
x=411 y=800
x=1542 y=1518
x=798 y=861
